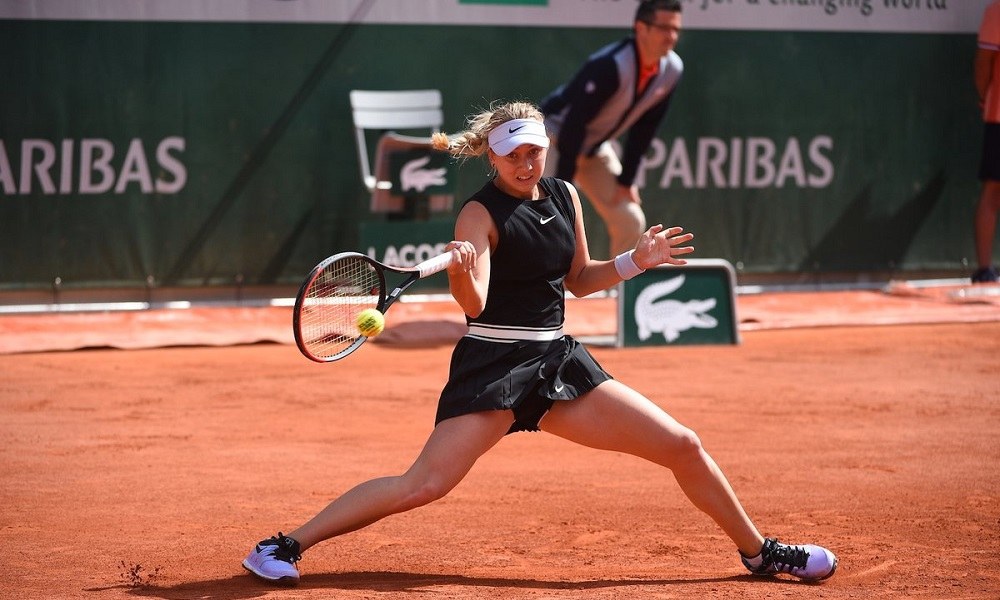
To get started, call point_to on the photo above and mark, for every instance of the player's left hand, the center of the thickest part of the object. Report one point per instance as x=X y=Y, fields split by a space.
x=659 y=245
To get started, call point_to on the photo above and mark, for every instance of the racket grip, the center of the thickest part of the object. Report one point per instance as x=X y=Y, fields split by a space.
x=436 y=264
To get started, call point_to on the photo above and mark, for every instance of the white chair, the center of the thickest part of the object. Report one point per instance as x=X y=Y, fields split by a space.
x=387 y=111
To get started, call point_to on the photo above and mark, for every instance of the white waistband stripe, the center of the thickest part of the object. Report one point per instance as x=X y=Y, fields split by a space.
x=511 y=334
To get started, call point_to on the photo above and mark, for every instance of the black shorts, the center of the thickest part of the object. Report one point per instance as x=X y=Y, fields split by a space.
x=525 y=377
x=989 y=165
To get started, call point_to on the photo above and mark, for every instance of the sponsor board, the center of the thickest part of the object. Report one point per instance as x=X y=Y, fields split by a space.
x=693 y=304
x=92 y=166
x=407 y=243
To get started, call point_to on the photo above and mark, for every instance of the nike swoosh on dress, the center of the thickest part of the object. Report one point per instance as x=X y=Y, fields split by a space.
x=544 y=220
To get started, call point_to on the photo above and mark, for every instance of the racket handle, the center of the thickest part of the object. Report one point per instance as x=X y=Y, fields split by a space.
x=436 y=264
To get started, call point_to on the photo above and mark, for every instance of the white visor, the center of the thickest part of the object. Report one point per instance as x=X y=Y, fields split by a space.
x=505 y=138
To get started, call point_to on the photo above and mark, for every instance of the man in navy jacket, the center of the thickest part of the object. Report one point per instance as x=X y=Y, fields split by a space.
x=622 y=88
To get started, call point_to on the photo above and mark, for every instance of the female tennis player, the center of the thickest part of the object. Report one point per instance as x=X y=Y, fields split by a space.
x=521 y=243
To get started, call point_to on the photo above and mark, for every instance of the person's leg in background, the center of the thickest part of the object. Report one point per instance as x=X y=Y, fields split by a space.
x=985 y=230
x=985 y=224
x=597 y=178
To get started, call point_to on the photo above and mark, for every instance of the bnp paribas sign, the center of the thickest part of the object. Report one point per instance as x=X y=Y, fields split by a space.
x=693 y=304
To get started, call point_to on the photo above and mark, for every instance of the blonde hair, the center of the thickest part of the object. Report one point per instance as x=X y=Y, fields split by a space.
x=474 y=141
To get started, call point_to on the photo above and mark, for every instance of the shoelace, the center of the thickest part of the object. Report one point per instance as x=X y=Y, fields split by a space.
x=786 y=558
x=283 y=549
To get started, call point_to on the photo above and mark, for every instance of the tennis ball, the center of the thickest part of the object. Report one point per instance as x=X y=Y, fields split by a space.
x=370 y=322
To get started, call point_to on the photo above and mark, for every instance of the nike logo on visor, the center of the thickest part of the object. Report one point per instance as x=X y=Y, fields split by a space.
x=513 y=129
x=544 y=220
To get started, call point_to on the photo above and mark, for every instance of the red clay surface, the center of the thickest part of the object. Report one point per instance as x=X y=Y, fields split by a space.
x=151 y=472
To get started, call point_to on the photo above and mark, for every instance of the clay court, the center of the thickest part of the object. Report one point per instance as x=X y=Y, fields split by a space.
x=144 y=453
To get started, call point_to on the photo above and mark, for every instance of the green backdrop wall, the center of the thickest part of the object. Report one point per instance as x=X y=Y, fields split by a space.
x=193 y=152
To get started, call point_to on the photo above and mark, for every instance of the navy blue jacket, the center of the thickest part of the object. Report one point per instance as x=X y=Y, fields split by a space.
x=600 y=104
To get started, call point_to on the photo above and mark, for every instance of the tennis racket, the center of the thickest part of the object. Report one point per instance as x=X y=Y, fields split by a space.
x=340 y=287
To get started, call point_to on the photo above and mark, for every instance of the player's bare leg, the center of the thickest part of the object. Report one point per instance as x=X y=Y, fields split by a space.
x=451 y=450
x=614 y=417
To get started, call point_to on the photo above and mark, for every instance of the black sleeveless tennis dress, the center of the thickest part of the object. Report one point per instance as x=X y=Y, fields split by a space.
x=515 y=355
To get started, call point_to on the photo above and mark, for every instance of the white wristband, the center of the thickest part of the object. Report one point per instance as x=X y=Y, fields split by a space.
x=625 y=265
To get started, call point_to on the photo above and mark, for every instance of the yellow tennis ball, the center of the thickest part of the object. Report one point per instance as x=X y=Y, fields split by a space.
x=370 y=322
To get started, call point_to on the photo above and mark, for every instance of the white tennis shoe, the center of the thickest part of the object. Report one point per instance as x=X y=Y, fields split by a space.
x=808 y=562
x=274 y=559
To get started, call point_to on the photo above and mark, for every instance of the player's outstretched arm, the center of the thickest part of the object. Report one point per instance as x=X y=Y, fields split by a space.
x=657 y=246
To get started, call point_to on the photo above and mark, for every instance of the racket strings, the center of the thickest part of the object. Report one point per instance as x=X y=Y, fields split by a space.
x=330 y=306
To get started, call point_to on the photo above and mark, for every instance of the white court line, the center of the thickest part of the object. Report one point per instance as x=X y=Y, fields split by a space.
x=75 y=307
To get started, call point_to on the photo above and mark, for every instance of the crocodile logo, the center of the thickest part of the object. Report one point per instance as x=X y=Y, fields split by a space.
x=654 y=313
x=414 y=176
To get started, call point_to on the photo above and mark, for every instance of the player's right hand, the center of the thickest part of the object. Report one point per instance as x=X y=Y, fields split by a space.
x=465 y=256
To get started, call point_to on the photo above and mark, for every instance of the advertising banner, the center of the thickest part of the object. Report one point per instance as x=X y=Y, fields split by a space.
x=693 y=304
x=198 y=143
x=406 y=244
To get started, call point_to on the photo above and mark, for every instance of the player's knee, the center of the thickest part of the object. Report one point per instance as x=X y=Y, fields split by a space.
x=687 y=447
x=425 y=492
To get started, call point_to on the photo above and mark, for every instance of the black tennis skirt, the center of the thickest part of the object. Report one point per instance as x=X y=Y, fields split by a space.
x=526 y=377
